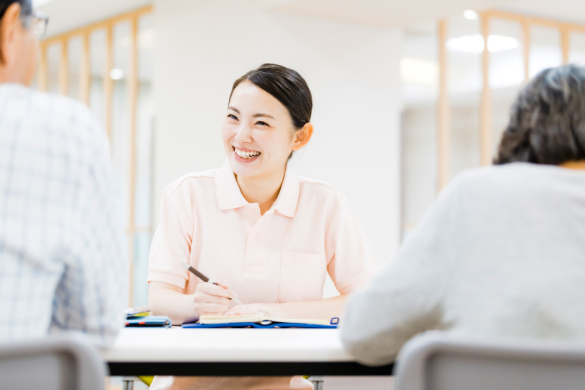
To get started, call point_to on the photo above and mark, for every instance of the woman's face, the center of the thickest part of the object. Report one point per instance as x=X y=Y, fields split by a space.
x=257 y=132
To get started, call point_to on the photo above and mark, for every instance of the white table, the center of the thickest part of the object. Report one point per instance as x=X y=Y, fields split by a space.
x=233 y=352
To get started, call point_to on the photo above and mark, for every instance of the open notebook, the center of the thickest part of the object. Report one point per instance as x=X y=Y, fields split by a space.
x=259 y=320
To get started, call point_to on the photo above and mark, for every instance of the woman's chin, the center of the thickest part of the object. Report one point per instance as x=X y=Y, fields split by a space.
x=242 y=169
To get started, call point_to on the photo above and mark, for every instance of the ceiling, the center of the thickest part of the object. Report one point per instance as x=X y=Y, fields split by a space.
x=563 y=10
x=66 y=15
x=416 y=17
x=382 y=14
x=69 y=14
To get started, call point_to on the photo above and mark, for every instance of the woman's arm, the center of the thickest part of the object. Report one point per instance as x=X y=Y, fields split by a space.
x=166 y=299
x=169 y=300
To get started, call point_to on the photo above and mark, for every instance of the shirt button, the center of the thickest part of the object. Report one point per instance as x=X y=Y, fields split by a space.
x=256 y=237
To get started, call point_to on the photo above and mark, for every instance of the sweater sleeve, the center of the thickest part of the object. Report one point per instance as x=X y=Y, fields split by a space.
x=406 y=298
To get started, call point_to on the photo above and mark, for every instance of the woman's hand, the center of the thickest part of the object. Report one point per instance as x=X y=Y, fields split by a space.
x=212 y=299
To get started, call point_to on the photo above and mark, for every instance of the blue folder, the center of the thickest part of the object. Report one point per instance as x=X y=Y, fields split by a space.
x=264 y=324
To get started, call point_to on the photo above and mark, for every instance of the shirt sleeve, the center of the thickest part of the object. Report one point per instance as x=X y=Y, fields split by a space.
x=406 y=297
x=93 y=291
x=351 y=264
x=171 y=244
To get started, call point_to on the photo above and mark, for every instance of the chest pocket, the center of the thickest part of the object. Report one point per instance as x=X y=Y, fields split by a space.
x=302 y=276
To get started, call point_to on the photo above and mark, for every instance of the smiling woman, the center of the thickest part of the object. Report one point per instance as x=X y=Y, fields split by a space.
x=265 y=235
x=280 y=127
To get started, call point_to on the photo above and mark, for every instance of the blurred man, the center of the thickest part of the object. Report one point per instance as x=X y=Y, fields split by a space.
x=62 y=258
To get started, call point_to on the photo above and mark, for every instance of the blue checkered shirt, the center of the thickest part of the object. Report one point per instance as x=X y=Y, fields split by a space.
x=63 y=265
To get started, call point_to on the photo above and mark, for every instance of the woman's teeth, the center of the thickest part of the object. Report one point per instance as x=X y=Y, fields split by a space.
x=243 y=154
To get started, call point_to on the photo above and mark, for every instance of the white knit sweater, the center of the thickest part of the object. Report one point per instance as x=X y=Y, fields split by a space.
x=501 y=254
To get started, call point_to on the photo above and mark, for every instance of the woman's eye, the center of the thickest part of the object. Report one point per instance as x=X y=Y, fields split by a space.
x=262 y=123
x=232 y=116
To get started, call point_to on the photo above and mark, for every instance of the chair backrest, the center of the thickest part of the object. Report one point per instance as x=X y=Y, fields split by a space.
x=55 y=363
x=435 y=361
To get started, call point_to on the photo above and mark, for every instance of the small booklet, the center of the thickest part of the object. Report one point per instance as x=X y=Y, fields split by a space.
x=259 y=320
x=134 y=312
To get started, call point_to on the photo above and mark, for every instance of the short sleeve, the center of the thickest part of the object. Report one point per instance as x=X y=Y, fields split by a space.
x=171 y=244
x=350 y=262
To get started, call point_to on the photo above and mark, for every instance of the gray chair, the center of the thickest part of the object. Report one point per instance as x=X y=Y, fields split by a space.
x=55 y=363
x=436 y=361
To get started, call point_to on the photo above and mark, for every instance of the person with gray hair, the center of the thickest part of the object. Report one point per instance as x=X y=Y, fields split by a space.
x=501 y=253
x=63 y=266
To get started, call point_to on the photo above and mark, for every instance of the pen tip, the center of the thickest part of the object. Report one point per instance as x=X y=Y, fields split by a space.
x=185 y=265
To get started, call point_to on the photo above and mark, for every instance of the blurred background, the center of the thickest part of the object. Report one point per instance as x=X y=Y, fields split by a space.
x=406 y=94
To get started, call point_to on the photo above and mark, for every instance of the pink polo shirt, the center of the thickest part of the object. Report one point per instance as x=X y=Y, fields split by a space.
x=282 y=256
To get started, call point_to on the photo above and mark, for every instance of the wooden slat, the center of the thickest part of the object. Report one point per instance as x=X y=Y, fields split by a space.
x=43 y=83
x=486 y=135
x=85 y=74
x=565 y=43
x=527 y=42
x=133 y=104
x=108 y=82
x=443 y=134
x=64 y=68
x=130 y=243
x=101 y=24
x=138 y=229
x=108 y=86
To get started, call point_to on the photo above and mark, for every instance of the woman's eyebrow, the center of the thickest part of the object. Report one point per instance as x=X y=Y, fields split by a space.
x=263 y=115
x=260 y=114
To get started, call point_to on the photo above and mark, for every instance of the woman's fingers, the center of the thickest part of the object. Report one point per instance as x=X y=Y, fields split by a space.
x=222 y=282
x=225 y=284
x=206 y=298
x=212 y=299
x=212 y=289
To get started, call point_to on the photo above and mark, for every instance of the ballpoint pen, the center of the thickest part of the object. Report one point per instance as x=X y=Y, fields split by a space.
x=206 y=279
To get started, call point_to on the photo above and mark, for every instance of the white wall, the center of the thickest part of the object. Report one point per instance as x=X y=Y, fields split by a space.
x=353 y=72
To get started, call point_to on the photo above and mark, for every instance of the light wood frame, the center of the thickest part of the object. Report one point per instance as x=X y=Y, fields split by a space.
x=526 y=23
x=443 y=118
x=486 y=130
x=108 y=86
x=485 y=109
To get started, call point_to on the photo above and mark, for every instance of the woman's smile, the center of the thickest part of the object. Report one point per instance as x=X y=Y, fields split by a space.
x=245 y=155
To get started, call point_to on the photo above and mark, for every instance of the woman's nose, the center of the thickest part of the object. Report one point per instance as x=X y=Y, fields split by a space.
x=243 y=133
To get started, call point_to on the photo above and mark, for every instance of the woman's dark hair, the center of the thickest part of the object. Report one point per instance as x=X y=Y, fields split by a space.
x=287 y=86
x=547 y=123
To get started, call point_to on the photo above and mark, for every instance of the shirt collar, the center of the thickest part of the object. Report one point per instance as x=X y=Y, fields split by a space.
x=229 y=195
x=288 y=198
x=228 y=192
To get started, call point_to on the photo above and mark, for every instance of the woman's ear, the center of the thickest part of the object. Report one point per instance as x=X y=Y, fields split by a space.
x=302 y=136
